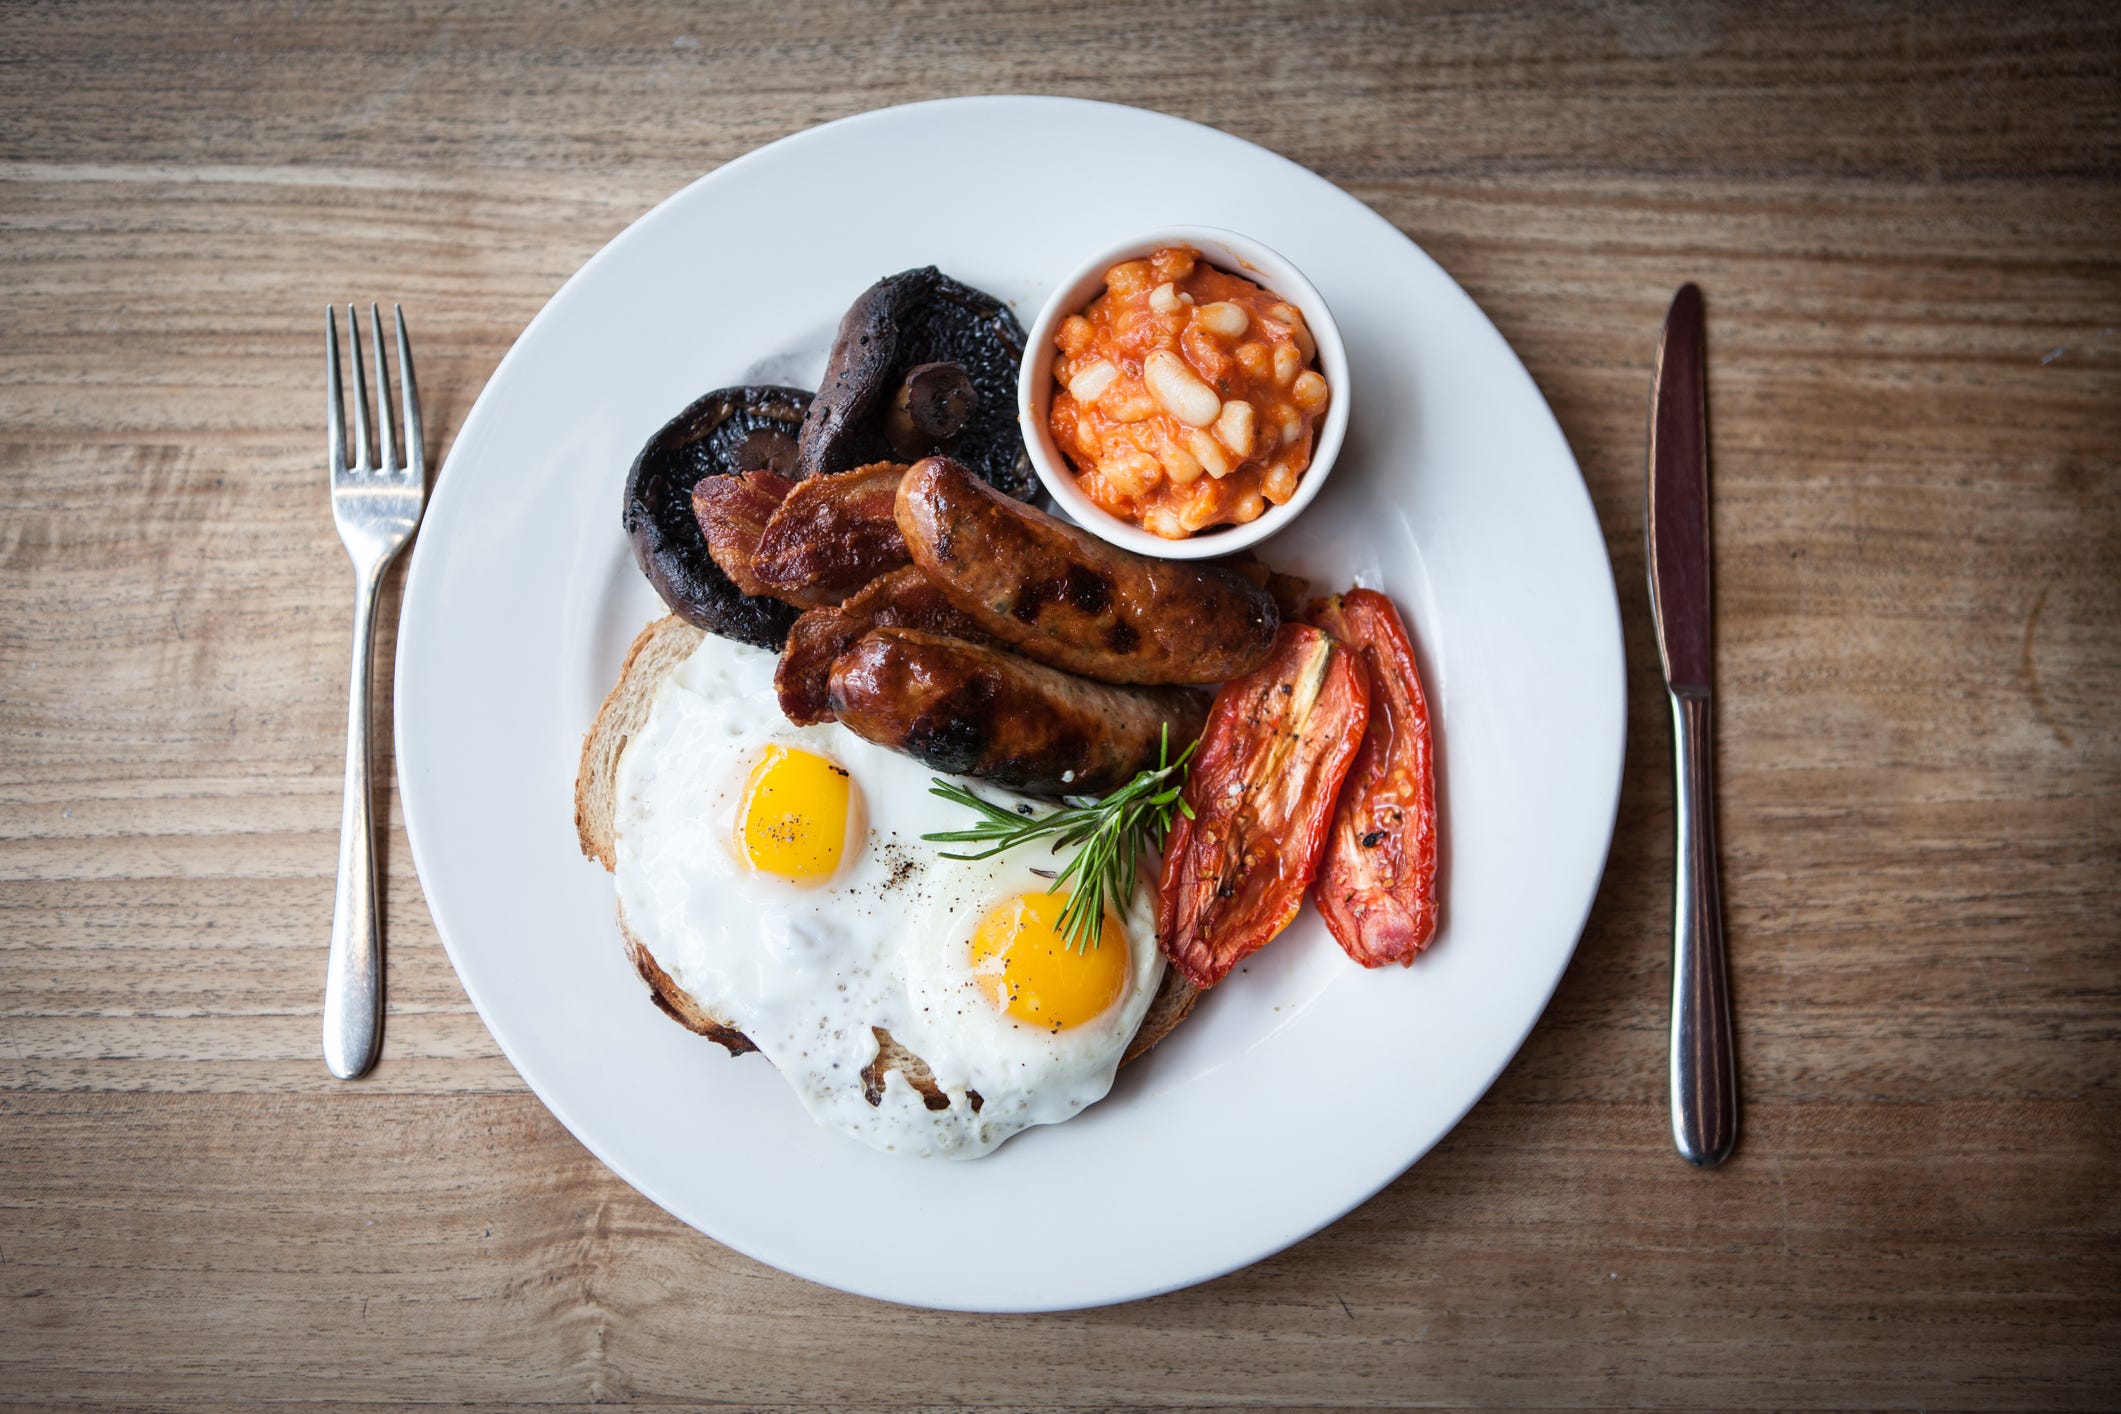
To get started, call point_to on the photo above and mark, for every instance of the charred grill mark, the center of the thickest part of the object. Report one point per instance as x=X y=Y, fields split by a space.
x=1065 y=746
x=1086 y=589
x=954 y=732
x=945 y=742
x=1078 y=587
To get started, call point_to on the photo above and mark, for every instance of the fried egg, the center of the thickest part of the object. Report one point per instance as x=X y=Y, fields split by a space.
x=779 y=875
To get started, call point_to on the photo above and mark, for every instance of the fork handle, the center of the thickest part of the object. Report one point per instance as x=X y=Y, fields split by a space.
x=353 y=982
x=1704 y=1078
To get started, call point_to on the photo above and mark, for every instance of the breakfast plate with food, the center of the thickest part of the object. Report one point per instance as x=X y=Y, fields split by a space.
x=1017 y=743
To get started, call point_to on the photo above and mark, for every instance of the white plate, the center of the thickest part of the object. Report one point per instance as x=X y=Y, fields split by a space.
x=1301 y=1085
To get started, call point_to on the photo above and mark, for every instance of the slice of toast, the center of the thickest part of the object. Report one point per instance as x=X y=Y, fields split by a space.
x=661 y=647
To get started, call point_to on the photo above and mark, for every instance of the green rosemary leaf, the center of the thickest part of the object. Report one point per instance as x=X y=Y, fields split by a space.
x=1109 y=837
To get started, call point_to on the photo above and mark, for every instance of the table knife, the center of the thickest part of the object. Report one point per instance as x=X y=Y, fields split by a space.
x=1704 y=1072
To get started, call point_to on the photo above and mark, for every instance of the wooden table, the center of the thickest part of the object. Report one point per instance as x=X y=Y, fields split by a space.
x=1908 y=222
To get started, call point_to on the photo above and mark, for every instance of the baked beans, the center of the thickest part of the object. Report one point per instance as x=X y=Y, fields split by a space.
x=1186 y=395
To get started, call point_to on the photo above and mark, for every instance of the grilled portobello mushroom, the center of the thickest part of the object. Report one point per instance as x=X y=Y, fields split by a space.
x=923 y=364
x=727 y=432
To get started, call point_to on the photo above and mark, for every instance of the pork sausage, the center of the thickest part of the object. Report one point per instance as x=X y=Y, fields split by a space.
x=975 y=711
x=1061 y=595
x=903 y=598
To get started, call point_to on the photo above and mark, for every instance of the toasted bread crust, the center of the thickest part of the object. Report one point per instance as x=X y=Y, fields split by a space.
x=658 y=649
x=1173 y=1000
x=676 y=1002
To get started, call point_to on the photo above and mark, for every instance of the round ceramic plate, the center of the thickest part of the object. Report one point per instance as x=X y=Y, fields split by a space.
x=1303 y=1083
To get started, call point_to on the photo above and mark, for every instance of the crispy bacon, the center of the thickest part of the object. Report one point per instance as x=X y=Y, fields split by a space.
x=831 y=535
x=733 y=511
x=904 y=598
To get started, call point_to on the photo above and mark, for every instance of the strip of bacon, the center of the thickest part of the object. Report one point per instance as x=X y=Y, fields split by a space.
x=732 y=511
x=831 y=535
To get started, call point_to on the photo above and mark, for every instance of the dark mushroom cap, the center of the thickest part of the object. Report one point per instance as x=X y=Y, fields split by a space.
x=729 y=430
x=901 y=324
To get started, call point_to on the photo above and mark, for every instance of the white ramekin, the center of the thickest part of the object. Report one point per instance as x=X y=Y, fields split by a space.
x=1239 y=255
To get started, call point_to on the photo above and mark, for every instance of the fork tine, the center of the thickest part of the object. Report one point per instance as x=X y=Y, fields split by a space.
x=415 y=442
x=335 y=414
x=358 y=356
x=385 y=424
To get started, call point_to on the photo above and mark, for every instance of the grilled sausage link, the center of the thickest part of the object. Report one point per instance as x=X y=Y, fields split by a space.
x=1061 y=595
x=903 y=598
x=975 y=711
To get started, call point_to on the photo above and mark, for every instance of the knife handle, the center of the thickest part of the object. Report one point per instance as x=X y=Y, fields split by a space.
x=1704 y=1063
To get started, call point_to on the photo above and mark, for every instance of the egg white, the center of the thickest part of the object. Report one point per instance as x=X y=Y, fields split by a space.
x=807 y=973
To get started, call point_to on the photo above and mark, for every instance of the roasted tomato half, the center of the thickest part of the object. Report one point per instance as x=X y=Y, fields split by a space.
x=1278 y=742
x=1377 y=886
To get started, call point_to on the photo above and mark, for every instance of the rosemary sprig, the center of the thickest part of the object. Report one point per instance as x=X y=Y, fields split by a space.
x=1114 y=833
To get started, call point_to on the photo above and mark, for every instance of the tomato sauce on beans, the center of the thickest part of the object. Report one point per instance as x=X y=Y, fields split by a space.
x=1188 y=397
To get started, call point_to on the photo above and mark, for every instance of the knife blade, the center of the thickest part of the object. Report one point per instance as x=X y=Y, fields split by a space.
x=1703 y=1064
x=1679 y=496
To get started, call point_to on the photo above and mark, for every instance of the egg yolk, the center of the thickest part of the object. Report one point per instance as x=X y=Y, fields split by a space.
x=793 y=822
x=1029 y=971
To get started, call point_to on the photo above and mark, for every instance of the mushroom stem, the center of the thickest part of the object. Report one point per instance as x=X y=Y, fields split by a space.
x=932 y=406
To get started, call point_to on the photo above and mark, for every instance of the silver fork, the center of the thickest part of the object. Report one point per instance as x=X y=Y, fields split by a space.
x=375 y=503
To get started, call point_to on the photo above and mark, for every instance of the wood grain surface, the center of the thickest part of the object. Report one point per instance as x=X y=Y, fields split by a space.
x=1908 y=223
